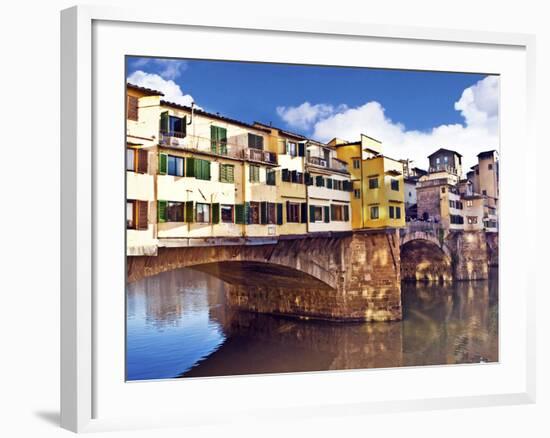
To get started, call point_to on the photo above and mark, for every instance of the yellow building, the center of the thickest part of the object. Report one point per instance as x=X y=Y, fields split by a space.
x=378 y=188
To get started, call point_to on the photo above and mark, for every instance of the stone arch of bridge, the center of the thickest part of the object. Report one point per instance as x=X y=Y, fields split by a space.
x=241 y=265
x=423 y=258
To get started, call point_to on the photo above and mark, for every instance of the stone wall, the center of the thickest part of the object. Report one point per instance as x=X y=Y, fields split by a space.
x=422 y=260
x=492 y=248
x=470 y=255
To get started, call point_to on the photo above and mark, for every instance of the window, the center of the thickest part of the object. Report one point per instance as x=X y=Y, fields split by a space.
x=329 y=183
x=130 y=159
x=357 y=193
x=270 y=177
x=373 y=183
x=410 y=194
x=254 y=213
x=227 y=213
x=292 y=149
x=457 y=219
x=172 y=126
x=398 y=212
x=356 y=163
x=452 y=204
x=446 y=159
x=437 y=160
x=136 y=160
x=218 y=140
x=394 y=183
x=339 y=213
x=198 y=168
x=175 y=165
x=137 y=215
x=254 y=173
x=469 y=203
x=203 y=213
x=472 y=220
x=392 y=212
x=490 y=167
x=317 y=214
x=374 y=212
x=319 y=181
x=227 y=173
x=170 y=211
x=292 y=212
x=484 y=192
x=442 y=189
x=132 y=108
x=271 y=213
x=255 y=141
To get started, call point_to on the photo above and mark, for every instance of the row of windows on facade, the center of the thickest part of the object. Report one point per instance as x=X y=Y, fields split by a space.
x=200 y=169
x=394 y=212
x=249 y=213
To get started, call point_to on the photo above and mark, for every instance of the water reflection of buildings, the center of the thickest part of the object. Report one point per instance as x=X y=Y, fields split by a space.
x=443 y=324
x=168 y=296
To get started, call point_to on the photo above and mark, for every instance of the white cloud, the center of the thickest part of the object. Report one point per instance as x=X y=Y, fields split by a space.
x=304 y=115
x=166 y=68
x=172 y=91
x=478 y=106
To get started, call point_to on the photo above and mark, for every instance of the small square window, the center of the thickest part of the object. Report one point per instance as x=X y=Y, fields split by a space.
x=374 y=212
x=373 y=183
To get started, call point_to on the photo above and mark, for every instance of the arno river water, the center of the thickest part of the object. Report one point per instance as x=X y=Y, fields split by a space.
x=179 y=326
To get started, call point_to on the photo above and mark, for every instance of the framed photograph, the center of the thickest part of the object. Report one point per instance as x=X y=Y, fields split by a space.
x=271 y=218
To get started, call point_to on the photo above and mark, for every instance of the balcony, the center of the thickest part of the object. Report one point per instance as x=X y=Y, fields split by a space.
x=331 y=163
x=172 y=139
x=259 y=156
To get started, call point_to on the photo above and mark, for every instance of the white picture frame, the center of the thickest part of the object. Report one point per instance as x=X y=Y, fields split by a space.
x=89 y=396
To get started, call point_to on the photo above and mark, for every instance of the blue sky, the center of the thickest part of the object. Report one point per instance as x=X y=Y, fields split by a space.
x=403 y=107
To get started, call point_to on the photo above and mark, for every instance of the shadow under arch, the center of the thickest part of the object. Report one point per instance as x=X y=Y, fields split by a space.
x=423 y=259
x=255 y=273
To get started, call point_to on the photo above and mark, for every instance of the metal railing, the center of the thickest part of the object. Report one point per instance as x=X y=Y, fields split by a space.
x=333 y=163
x=259 y=155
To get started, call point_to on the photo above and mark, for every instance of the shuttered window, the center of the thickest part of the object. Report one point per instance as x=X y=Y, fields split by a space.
x=254 y=173
x=346 y=213
x=218 y=140
x=198 y=168
x=285 y=175
x=227 y=173
x=373 y=183
x=326 y=214
x=279 y=213
x=329 y=183
x=303 y=212
x=163 y=164
x=189 y=211
x=215 y=213
x=142 y=161
x=374 y=212
x=319 y=181
x=227 y=213
x=132 y=109
x=271 y=213
x=239 y=214
x=253 y=212
x=175 y=165
x=292 y=212
x=137 y=215
x=337 y=212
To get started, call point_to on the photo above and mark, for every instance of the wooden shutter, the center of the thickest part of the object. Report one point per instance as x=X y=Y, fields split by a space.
x=213 y=138
x=301 y=149
x=312 y=213
x=346 y=213
x=263 y=212
x=163 y=164
x=303 y=213
x=161 y=211
x=141 y=215
x=190 y=167
x=132 y=113
x=164 y=122
x=230 y=171
x=216 y=213
x=279 y=213
x=247 y=213
x=239 y=214
x=142 y=161
x=189 y=212
x=326 y=214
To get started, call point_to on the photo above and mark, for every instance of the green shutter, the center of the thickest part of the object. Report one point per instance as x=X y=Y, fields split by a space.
x=230 y=173
x=346 y=213
x=164 y=122
x=213 y=138
x=190 y=167
x=189 y=213
x=312 y=213
x=263 y=212
x=329 y=183
x=326 y=214
x=161 y=211
x=239 y=214
x=216 y=213
x=332 y=212
x=163 y=164
x=279 y=213
x=247 y=218
x=205 y=169
x=303 y=213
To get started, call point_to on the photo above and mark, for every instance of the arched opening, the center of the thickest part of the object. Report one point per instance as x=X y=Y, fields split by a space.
x=423 y=260
x=259 y=274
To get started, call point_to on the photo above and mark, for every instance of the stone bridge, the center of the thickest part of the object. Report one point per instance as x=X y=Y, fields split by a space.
x=430 y=253
x=353 y=276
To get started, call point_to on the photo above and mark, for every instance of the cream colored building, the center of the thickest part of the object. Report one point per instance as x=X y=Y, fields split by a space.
x=329 y=189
